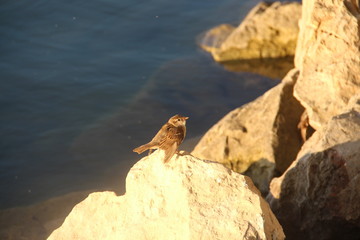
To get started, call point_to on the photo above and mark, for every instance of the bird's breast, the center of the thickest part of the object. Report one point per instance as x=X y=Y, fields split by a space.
x=181 y=132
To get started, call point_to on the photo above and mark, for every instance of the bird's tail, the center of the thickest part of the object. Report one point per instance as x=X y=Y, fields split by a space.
x=143 y=148
x=169 y=152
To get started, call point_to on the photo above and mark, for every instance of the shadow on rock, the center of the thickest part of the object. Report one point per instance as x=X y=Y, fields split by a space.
x=318 y=197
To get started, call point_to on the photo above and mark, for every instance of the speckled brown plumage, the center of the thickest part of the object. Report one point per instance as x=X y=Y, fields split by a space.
x=168 y=138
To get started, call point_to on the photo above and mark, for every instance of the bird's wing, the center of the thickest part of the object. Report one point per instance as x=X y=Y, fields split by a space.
x=167 y=135
x=162 y=134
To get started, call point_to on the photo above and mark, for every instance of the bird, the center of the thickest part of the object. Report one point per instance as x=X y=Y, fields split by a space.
x=168 y=138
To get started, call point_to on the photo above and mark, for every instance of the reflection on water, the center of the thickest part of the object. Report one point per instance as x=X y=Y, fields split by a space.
x=272 y=68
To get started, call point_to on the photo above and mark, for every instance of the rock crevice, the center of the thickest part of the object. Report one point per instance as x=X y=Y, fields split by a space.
x=251 y=138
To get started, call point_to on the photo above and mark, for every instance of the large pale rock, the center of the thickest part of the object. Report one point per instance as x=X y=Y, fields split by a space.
x=328 y=57
x=258 y=138
x=187 y=198
x=318 y=197
x=269 y=31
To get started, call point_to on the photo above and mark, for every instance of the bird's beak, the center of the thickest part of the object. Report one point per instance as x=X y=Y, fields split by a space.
x=186 y=118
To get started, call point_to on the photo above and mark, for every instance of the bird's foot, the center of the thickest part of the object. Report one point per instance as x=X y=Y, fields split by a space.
x=150 y=151
x=182 y=153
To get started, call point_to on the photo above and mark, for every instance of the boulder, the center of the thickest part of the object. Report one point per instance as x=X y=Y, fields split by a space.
x=269 y=31
x=327 y=56
x=318 y=197
x=187 y=198
x=251 y=138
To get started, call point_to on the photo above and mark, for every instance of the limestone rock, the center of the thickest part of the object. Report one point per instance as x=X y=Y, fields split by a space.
x=269 y=31
x=251 y=138
x=187 y=198
x=328 y=57
x=318 y=197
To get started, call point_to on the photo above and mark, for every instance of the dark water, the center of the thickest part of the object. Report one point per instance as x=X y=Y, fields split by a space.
x=84 y=82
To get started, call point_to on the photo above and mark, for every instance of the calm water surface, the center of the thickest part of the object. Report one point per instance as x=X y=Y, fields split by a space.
x=84 y=82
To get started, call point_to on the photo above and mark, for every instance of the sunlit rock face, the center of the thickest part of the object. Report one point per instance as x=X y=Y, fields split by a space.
x=328 y=57
x=187 y=198
x=259 y=138
x=270 y=30
x=318 y=196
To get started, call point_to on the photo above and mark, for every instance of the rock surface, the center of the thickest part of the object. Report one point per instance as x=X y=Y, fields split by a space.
x=318 y=197
x=269 y=31
x=187 y=198
x=328 y=57
x=251 y=138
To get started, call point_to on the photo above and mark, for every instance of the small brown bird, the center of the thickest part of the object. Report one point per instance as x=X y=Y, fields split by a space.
x=169 y=137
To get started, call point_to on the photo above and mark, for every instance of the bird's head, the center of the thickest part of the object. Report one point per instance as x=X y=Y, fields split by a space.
x=178 y=120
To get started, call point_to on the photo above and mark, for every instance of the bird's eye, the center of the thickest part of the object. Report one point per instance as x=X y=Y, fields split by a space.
x=179 y=119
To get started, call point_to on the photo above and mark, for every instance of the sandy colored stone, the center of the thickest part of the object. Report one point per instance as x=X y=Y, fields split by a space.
x=252 y=138
x=269 y=31
x=318 y=197
x=328 y=57
x=187 y=198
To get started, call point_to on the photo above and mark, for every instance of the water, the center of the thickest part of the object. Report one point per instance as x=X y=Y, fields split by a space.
x=84 y=82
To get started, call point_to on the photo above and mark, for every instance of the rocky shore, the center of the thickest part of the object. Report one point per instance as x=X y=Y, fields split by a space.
x=311 y=182
x=317 y=195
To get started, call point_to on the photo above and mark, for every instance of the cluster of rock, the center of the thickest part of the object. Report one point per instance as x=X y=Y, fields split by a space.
x=317 y=192
x=317 y=195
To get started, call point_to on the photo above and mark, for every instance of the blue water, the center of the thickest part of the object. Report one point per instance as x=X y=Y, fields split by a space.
x=84 y=82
